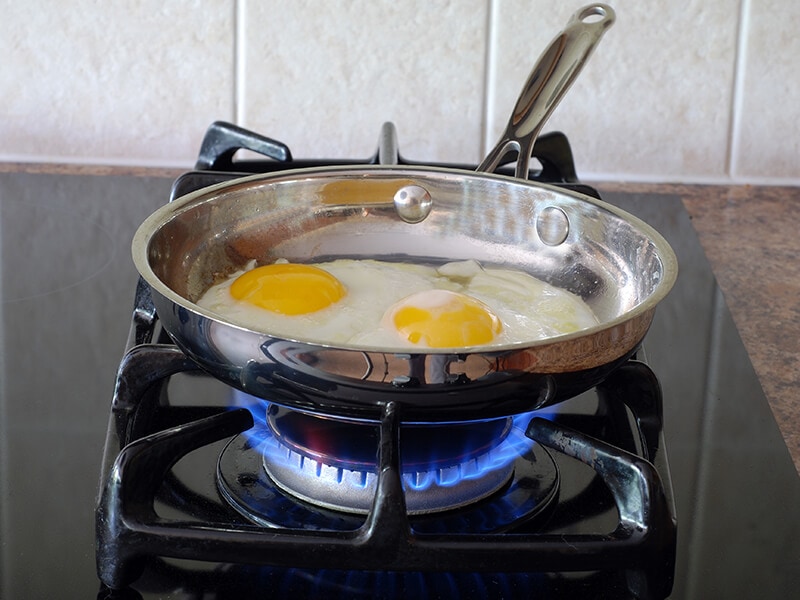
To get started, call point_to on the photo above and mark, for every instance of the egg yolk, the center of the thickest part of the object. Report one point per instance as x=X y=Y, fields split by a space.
x=288 y=289
x=444 y=319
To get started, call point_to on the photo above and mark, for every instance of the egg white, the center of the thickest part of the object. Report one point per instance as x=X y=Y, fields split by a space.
x=528 y=308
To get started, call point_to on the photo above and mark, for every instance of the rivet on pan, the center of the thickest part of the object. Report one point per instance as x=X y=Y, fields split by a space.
x=552 y=225
x=413 y=203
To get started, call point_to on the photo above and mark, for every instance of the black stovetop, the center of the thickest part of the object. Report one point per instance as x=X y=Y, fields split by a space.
x=65 y=321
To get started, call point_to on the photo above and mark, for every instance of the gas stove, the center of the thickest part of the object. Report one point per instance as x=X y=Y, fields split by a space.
x=217 y=490
x=735 y=491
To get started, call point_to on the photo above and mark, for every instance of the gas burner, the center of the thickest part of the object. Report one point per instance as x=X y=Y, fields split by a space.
x=332 y=462
x=585 y=490
x=317 y=473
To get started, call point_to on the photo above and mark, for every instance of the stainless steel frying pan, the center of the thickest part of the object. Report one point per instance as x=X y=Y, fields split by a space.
x=618 y=264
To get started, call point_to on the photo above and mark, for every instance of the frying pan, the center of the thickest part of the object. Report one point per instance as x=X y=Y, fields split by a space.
x=618 y=264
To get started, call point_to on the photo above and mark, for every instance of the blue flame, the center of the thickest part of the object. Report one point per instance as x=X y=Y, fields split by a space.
x=513 y=446
x=416 y=478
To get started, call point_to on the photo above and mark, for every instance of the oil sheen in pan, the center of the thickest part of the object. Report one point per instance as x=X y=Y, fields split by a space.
x=408 y=305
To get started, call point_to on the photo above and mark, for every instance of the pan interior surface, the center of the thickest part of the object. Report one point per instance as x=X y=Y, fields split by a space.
x=617 y=264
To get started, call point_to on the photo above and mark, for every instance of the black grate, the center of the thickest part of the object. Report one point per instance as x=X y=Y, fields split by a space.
x=616 y=451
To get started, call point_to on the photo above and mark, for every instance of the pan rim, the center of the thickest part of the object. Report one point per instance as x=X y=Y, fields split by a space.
x=171 y=210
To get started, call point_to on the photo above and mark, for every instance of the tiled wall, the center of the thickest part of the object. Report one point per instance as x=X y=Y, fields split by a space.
x=677 y=91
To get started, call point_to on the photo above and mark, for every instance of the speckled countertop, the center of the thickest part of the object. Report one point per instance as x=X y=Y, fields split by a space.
x=750 y=235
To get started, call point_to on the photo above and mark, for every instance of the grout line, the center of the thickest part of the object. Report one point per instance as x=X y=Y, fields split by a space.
x=488 y=76
x=679 y=178
x=23 y=162
x=97 y=161
x=739 y=69
x=239 y=56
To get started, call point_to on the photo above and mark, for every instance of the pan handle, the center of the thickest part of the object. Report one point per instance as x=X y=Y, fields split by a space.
x=549 y=80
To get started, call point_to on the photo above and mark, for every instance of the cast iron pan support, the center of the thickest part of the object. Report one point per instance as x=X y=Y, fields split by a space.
x=129 y=530
x=223 y=140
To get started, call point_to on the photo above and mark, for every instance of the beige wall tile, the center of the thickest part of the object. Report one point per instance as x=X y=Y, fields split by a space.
x=113 y=82
x=769 y=118
x=324 y=76
x=138 y=84
x=654 y=99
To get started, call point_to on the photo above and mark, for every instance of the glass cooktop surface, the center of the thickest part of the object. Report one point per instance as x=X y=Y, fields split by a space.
x=67 y=290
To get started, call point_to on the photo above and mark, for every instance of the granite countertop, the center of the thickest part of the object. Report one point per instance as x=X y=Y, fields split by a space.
x=749 y=234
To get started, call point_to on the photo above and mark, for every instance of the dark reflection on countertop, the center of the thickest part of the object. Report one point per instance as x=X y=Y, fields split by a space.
x=67 y=290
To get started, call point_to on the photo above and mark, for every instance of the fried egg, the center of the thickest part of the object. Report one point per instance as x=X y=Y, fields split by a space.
x=443 y=319
x=373 y=304
x=288 y=289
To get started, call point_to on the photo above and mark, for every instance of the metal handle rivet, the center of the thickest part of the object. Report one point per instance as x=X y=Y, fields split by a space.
x=413 y=203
